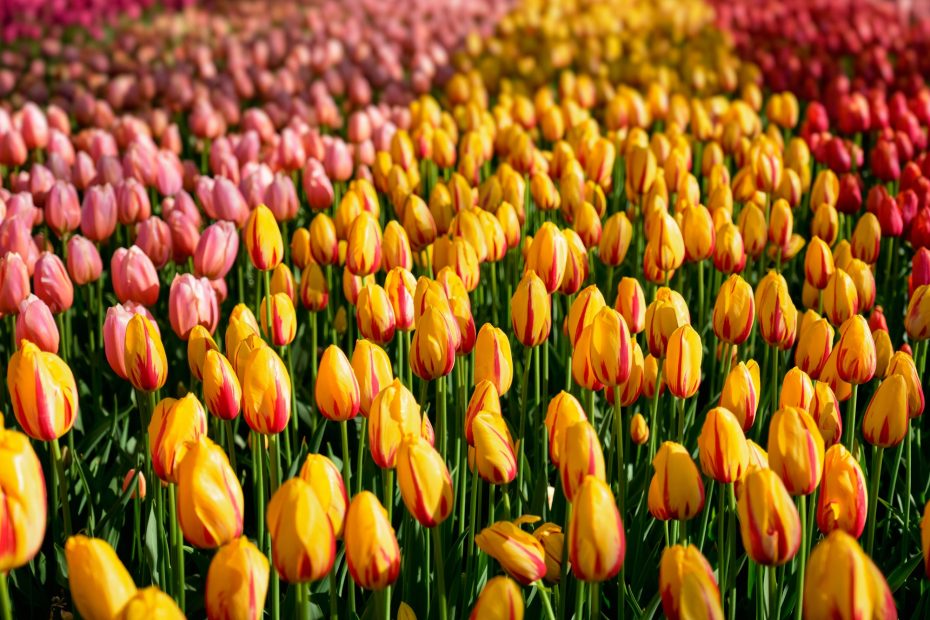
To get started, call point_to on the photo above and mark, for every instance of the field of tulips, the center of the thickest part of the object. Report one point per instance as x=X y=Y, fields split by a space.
x=451 y=309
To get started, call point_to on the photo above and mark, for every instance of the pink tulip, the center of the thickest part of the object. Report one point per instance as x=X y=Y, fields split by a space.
x=109 y=171
x=51 y=283
x=62 y=209
x=317 y=186
x=255 y=182
x=216 y=251
x=338 y=161
x=168 y=171
x=83 y=172
x=41 y=180
x=114 y=333
x=98 y=213
x=248 y=148
x=153 y=236
x=228 y=203
x=132 y=202
x=34 y=127
x=13 y=151
x=139 y=162
x=255 y=119
x=84 y=263
x=60 y=144
x=219 y=287
x=36 y=324
x=281 y=198
x=16 y=237
x=183 y=203
x=291 y=154
x=359 y=127
x=14 y=282
x=185 y=234
x=134 y=276
x=191 y=302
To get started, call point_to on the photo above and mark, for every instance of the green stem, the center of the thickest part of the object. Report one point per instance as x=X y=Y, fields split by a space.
x=774 y=598
x=178 y=542
x=802 y=560
x=5 y=608
x=722 y=550
x=333 y=612
x=851 y=420
x=563 y=577
x=524 y=407
x=258 y=480
x=681 y=420
x=877 y=454
x=389 y=494
x=544 y=597
x=440 y=572
x=231 y=445
x=347 y=476
x=62 y=487
x=579 y=601
x=618 y=439
x=654 y=413
x=594 y=600
x=906 y=506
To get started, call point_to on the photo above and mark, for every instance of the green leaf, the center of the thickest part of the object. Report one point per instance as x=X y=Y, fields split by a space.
x=151 y=540
x=899 y=576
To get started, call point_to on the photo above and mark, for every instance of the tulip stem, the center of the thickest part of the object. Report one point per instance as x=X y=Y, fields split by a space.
x=62 y=487
x=231 y=445
x=877 y=454
x=544 y=597
x=579 y=601
x=258 y=479
x=681 y=420
x=524 y=407
x=178 y=540
x=5 y=607
x=723 y=550
x=563 y=571
x=440 y=572
x=654 y=413
x=851 y=421
x=774 y=595
x=594 y=600
x=618 y=431
x=802 y=559
x=907 y=482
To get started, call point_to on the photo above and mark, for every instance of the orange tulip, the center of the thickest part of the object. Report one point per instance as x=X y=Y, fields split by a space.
x=840 y=297
x=363 y=250
x=432 y=352
x=777 y=315
x=769 y=522
x=797 y=390
x=531 y=315
x=843 y=499
x=424 y=481
x=582 y=457
x=917 y=317
x=518 y=553
x=266 y=391
x=676 y=490
x=740 y=394
x=722 y=446
x=237 y=582
x=583 y=310
x=336 y=391
x=682 y=367
x=610 y=352
x=22 y=486
x=885 y=423
x=394 y=415
x=221 y=389
x=283 y=320
x=687 y=584
x=855 y=352
x=631 y=304
x=796 y=450
x=500 y=599
x=210 y=505
x=174 y=426
x=42 y=391
x=665 y=314
x=326 y=480
x=597 y=542
x=494 y=455
x=263 y=239
x=198 y=344
x=615 y=239
x=303 y=546
x=902 y=363
x=372 y=552
x=814 y=346
x=734 y=311
x=144 y=356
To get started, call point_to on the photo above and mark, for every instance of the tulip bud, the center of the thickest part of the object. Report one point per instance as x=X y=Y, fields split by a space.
x=326 y=481
x=663 y=316
x=818 y=263
x=855 y=351
x=687 y=584
x=796 y=450
x=84 y=264
x=150 y=603
x=100 y=584
x=432 y=351
x=610 y=350
x=519 y=553
x=52 y=284
x=500 y=599
x=175 y=425
x=394 y=414
x=134 y=276
x=676 y=490
x=615 y=239
x=581 y=457
x=722 y=446
x=216 y=250
x=740 y=393
x=583 y=310
x=400 y=285
x=35 y=323
x=493 y=361
x=797 y=390
x=697 y=228
x=495 y=455
x=424 y=481
x=336 y=391
x=917 y=317
x=840 y=297
x=597 y=543
x=885 y=423
x=814 y=347
x=22 y=485
x=734 y=311
x=372 y=552
x=302 y=542
x=769 y=522
x=777 y=315
x=266 y=390
x=43 y=392
x=843 y=500
x=363 y=252
x=866 y=239
x=631 y=304
x=563 y=411
x=209 y=496
x=263 y=239
x=682 y=366
x=237 y=582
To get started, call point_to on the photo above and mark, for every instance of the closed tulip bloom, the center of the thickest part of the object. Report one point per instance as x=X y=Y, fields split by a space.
x=484 y=397
x=551 y=537
x=396 y=247
x=752 y=227
x=796 y=450
x=424 y=481
x=885 y=422
x=263 y=239
x=52 y=284
x=864 y=282
x=326 y=480
x=917 y=317
x=814 y=347
x=631 y=304
x=769 y=522
x=597 y=542
x=418 y=223
x=581 y=457
x=363 y=253
x=198 y=344
x=547 y=256
x=855 y=351
x=400 y=285
x=144 y=357
x=781 y=224
x=303 y=547
x=665 y=314
x=584 y=308
x=687 y=584
x=825 y=409
x=134 y=276
x=221 y=389
x=209 y=496
x=237 y=582
x=682 y=367
x=797 y=390
x=43 y=392
x=740 y=393
x=22 y=485
x=191 y=302
x=676 y=490
x=84 y=263
x=375 y=315
x=729 y=252
x=840 y=297
x=866 y=238
x=493 y=361
x=282 y=281
x=616 y=236
x=62 y=209
x=843 y=500
x=314 y=291
x=372 y=368
x=283 y=320
x=500 y=599
x=843 y=582
x=372 y=552
x=697 y=228
x=563 y=411
x=100 y=584
x=818 y=263
x=324 y=244
x=98 y=213
x=668 y=243
x=175 y=425
x=35 y=323
x=216 y=250
x=734 y=311
x=336 y=391
x=830 y=375
x=432 y=351
x=778 y=316
x=610 y=351
x=722 y=446
x=902 y=363
x=518 y=553
x=495 y=455
x=394 y=415
x=266 y=390
x=14 y=282
x=150 y=604
x=582 y=367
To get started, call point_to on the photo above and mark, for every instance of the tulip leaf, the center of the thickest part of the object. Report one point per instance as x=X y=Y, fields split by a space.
x=899 y=576
x=151 y=540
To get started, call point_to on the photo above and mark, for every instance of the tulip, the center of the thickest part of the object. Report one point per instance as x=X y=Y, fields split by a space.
x=22 y=485
x=769 y=522
x=722 y=447
x=840 y=297
x=563 y=411
x=314 y=292
x=263 y=239
x=500 y=599
x=52 y=284
x=394 y=415
x=425 y=482
x=615 y=239
x=371 y=552
x=814 y=347
x=519 y=553
x=375 y=314
x=687 y=584
x=325 y=479
x=583 y=457
x=843 y=582
x=631 y=304
x=324 y=244
x=363 y=253
x=198 y=344
x=98 y=213
x=174 y=425
x=855 y=351
x=916 y=319
x=639 y=429
x=432 y=352
x=192 y=302
x=797 y=390
x=740 y=393
x=796 y=450
x=134 y=276
x=400 y=285
x=664 y=315
x=902 y=364
x=209 y=496
x=777 y=314
x=734 y=311
x=216 y=250
x=221 y=390
x=237 y=582
x=84 y=263
x=303 y=546
x=843 y=499
x=493 y=361
x=62 y=209
x=283 y=317
x=885 y=423
x=530 y=311
x=43 y=392
x=547 y=256
x=144 y=357
x=610 y=351
x=866 y=239
x=818 y=263
x=266 y=391
x=35 y=323
x=597 y=543
x=584 y=308
x=682 y=367
x=14 y=282
x=150 y=603
x=495 y=455
x=676 y=490
x=100 y=584
x=825 y=410
x=551 y=537
x=729 y=251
